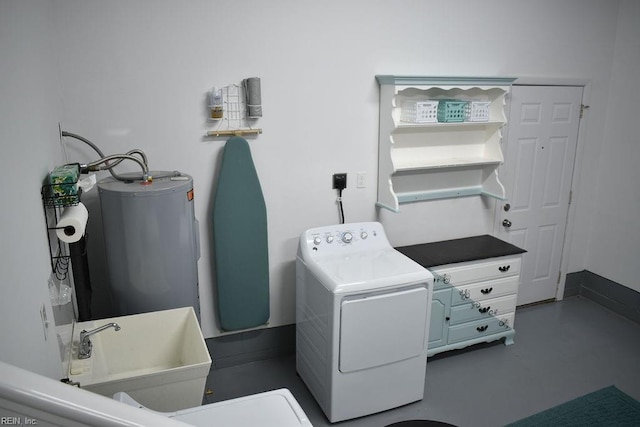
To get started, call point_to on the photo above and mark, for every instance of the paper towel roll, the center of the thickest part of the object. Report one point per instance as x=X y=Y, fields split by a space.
x=73 y=223
x=253 y=97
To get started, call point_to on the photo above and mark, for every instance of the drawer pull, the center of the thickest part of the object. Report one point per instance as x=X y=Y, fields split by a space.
x=464 y=294
x=446 y=278
x=486 y=291
x=504 y=268
x=482 y=328
x=484 y=310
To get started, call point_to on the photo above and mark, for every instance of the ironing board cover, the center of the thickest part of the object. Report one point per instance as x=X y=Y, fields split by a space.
x=240 y=241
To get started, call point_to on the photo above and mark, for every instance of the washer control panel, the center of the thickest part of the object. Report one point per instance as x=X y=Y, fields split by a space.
x=343 y=238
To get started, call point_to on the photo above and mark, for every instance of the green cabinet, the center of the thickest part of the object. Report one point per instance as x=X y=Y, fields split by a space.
x=440 y=307
x=474 y=302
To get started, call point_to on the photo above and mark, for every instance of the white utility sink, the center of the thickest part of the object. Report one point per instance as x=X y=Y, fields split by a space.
x=159 y=358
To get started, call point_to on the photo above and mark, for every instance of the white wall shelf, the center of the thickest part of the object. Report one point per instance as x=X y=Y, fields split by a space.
x=426 y=161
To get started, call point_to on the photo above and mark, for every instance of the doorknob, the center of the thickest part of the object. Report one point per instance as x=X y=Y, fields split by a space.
x=506 y=223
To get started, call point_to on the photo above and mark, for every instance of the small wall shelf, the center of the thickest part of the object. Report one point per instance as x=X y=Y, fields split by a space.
x=229 y=113
x=435 y=160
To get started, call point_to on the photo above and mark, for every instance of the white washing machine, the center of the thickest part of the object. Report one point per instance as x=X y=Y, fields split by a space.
x=362 y=320
x=277 y=408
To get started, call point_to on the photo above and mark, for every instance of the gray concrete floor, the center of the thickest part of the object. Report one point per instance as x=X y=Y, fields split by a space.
x=562 y=350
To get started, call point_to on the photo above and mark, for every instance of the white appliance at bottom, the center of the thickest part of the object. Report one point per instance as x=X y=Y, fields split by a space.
x=362 y=320
x=277 y=408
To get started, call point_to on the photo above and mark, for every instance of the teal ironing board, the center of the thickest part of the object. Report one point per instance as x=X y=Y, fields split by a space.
x=240 y=241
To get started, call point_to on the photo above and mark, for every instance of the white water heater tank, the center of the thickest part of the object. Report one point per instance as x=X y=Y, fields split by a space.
x=152 y=242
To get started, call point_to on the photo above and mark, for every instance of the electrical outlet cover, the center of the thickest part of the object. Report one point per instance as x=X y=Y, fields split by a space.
x=340 y=181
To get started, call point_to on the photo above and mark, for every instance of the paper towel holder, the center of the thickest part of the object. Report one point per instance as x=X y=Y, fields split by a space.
x=53 y=203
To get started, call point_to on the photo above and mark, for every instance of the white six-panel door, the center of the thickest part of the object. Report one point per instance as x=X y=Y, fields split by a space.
x=540 y=151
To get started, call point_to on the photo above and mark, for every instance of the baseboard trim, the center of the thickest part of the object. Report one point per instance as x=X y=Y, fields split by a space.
x=251 y=346
x=614 y=296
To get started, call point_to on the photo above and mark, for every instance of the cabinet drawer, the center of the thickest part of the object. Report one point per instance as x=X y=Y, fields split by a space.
x=477 y=271
x=476 y=310
x=485 y=290
x=480 y=328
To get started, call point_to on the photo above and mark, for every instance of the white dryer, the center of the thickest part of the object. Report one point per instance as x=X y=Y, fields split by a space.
x=362 y=320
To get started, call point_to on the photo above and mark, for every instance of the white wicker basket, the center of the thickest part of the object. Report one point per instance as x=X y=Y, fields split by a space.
x=419 y=111
x=478 y=111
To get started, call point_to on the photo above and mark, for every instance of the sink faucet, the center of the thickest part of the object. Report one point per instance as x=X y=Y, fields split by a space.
x=84 y=352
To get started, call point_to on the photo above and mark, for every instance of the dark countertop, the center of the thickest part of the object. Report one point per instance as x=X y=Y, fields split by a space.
x=459 y=250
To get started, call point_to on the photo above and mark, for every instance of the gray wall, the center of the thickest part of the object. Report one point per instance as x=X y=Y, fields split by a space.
x=611 y=201
x=29 y=112
x=138 y=77
x=135 y=75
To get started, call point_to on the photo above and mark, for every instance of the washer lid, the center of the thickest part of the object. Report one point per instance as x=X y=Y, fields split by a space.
x=368 y=270
x=276 y=408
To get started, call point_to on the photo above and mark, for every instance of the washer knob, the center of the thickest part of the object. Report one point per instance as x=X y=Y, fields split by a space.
x=347 y=237
x=317 y=241
x=329 y=239
x=364 y=235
